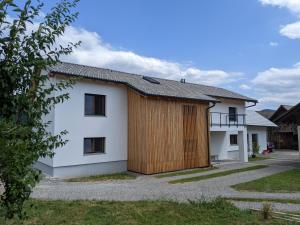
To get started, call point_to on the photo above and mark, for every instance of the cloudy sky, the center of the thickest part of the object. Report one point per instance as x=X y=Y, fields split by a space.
x=251 y=46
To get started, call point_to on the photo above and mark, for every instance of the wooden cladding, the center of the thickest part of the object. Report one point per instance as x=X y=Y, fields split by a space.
x=190 y=137
x=166 y=134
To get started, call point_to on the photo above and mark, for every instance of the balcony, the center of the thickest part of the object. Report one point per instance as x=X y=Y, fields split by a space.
x=226 y=119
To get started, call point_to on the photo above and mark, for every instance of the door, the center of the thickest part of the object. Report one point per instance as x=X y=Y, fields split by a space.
x=254 y=141
x=190 y=137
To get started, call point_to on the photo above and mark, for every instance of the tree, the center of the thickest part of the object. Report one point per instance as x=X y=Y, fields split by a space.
x=26 y=49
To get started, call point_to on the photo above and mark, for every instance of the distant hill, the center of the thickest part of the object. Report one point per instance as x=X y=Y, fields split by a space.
x=266 y=113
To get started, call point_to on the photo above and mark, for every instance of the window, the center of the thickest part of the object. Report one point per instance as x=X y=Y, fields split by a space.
x=232 y=114
x=94 y=105
x=94 y=145
x=233 y=139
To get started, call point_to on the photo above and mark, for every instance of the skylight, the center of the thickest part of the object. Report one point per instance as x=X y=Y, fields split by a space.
x=151 y=80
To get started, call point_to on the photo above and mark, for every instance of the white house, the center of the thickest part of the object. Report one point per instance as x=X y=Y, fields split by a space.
x=257 y=130
x=119 y=121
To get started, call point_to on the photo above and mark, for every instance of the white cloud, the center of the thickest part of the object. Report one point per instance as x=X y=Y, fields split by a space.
x=291 y=30
x=278 y=85
x=95 y=52
x=292 y=5
x=245 y=87
x=273 y=44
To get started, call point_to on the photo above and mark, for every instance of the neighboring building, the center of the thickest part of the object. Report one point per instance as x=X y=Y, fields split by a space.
x=288 y=133
x=257 y=130
x=281 y=110
x=285 y=136
x=119 y=121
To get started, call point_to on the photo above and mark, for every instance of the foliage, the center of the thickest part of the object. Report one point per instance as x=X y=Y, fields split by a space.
x=216 y=212
x=104 y=177
x=186 y=172
x=219 y=174
x=255 y=149
x=288 y=181
x=26 y=50
x=267 y=210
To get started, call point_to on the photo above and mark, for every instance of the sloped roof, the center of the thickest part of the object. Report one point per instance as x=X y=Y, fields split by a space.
x=253 y=118
x=267 y=113
x=280 y=111
x=295 y=109
x=169 y=88
x=287 y=107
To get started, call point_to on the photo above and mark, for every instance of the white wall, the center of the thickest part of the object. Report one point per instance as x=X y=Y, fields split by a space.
x=262 y=137
x=220 y=145
x=220 y=136
x=70 y=116
x=49 y=117
x=224 y=108
x=242 y=142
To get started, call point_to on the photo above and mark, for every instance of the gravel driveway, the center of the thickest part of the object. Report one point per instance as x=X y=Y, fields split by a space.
x=151 y=188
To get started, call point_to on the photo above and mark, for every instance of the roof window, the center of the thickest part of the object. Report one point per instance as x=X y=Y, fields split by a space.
x=151 y=80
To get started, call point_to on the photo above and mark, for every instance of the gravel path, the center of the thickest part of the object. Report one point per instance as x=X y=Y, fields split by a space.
x=152 y=188
x=149 y=187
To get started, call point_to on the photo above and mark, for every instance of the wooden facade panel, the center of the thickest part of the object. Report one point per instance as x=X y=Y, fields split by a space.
x=158 y=135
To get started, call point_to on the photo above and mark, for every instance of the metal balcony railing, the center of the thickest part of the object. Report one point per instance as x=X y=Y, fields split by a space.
x=226 y=119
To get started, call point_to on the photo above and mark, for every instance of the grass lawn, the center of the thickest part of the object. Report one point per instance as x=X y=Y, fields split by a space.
x=288 y=181
x=220 y=174
x=258 y=158
x=277 y=200
x=186 y=172
x=115 y=176
x=218 y=212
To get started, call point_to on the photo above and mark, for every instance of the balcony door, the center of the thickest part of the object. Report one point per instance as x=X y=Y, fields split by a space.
x=190 y=137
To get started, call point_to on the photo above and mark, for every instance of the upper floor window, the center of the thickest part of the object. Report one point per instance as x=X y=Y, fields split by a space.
x=232 y=114
x=94 y=105
x=94 y=145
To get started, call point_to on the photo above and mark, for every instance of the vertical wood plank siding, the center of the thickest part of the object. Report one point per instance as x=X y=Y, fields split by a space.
x=166 y=134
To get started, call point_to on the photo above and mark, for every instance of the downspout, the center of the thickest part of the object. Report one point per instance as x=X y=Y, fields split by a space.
x=208 y=131
x=245 y=119
x=249 y=106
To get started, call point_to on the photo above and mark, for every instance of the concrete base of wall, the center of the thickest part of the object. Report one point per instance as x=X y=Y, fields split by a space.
x=83 y=170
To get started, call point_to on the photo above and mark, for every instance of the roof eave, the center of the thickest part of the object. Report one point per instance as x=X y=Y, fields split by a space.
x=134 y=88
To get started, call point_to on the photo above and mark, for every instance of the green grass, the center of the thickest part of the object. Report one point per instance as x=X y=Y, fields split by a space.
x=220 y=174
x=186 y=172
x=277 y=200
x=288 y=181
x=115 y=176
x=218 y=212
x=257 y=158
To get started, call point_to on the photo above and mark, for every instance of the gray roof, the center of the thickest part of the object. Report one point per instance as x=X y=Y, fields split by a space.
x=255 y=119
x=267 y=113
x=169 y=88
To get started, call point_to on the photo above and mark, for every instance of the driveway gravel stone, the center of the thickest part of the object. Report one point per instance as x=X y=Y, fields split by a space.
x=152 y=188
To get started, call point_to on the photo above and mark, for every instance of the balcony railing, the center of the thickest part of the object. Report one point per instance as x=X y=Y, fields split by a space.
x=226 y=119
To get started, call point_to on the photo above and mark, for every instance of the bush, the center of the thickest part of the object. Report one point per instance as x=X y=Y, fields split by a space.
x=255 y=149
x=267 y=211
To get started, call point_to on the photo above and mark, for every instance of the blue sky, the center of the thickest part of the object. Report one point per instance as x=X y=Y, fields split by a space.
x=249 y=46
